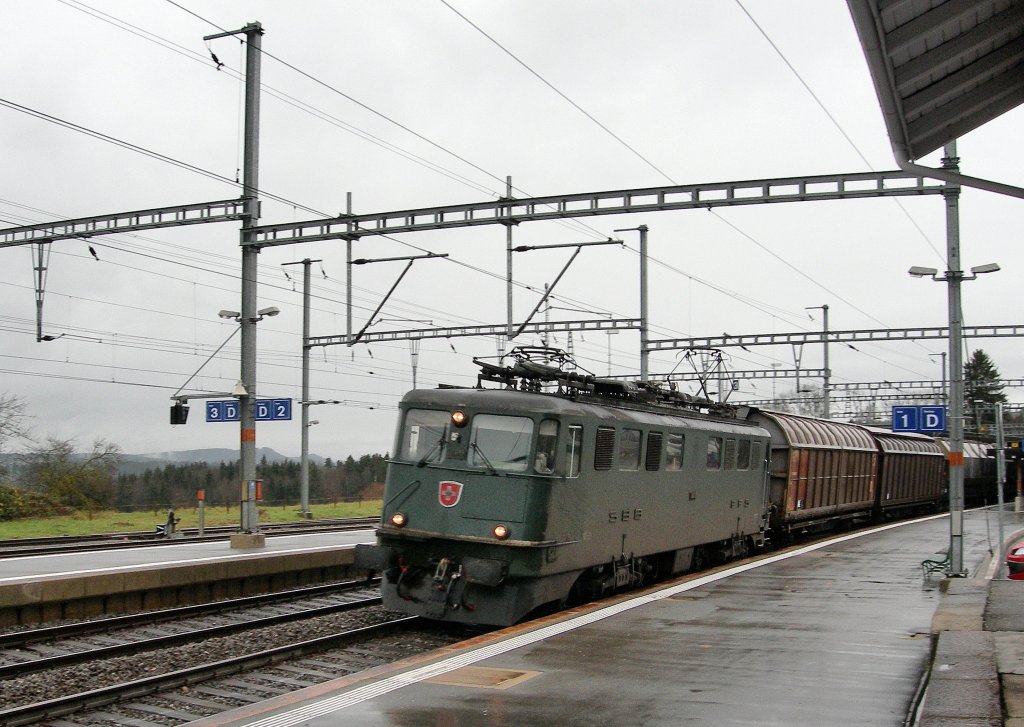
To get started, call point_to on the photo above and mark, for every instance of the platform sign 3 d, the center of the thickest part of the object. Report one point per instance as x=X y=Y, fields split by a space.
x=227 y=410
x=918 y=418
x=223 y=411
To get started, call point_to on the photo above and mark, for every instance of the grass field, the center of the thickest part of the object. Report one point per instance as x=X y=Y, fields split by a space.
x=120 y=522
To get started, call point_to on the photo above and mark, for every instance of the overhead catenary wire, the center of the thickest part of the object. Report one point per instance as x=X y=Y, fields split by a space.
x=174 y=3
x=294 y=204
x=718 y=216
x=835 y=122
x=276 y=93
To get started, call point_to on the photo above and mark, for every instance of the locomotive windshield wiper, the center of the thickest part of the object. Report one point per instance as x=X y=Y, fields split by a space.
x=439 y=448
x=476 y=448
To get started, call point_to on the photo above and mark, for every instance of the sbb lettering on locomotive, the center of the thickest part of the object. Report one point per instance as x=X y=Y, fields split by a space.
x=624 y=516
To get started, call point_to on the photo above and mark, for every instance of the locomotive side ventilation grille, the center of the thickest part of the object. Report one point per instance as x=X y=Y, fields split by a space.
x=604 y=449
x=653 y=458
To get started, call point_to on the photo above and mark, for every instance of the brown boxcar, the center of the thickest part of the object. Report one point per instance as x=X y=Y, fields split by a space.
x=979 y=473
x=820 y=471
x=910 y=468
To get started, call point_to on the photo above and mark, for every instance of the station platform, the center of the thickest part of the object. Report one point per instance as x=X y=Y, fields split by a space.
x=835 y=633
x=74 y=585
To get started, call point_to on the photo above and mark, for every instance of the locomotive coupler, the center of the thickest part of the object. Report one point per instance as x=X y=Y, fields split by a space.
x=441 y=572
x=448 y=585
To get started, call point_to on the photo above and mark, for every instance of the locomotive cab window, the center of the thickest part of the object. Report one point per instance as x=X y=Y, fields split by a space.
x=674 y=451
x=714 y=453
x=547 y=438
x=629 y=450
x=500 y=442
x=424 y=435
x=573 y=451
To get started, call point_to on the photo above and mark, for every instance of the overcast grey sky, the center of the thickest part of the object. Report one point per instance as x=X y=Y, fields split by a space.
x=693 y=86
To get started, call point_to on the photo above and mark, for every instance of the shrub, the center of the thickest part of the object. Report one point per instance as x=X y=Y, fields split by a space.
x=16 y=503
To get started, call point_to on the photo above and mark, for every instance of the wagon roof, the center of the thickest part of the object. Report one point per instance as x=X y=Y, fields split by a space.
x=890 y=441
x=971 y=449
x=800 y=431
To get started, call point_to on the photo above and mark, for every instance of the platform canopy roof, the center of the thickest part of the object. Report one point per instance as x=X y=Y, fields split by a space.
x=941 y=67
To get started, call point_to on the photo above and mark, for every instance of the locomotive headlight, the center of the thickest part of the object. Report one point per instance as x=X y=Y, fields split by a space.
x=399 y=520
x=459 y=418
x=501 y=532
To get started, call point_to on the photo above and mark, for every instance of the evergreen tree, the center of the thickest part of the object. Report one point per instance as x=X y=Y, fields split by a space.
x=981 y=390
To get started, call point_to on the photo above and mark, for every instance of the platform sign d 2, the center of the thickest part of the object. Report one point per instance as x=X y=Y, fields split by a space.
x=272 y=410
x=918 y=418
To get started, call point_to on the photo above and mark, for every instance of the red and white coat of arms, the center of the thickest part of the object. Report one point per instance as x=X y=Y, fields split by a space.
x=449 y=493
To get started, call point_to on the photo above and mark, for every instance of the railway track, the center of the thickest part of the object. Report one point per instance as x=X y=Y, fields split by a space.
x=184 y=666
x=22 y=547
x=32 y=650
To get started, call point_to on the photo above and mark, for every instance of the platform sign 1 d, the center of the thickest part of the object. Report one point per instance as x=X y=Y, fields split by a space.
x=918 y=418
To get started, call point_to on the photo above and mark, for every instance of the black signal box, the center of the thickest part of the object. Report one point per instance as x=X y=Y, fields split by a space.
x=179 y=413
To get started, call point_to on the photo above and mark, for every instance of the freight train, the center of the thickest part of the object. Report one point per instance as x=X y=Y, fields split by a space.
x=556 y=486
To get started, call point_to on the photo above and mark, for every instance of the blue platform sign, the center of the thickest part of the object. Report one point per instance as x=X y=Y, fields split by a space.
x=282 y=409
x=933 y=418
x=266 y=410
x=906 y=418
x=273 y=410
x=222 y=411
x=918 y=418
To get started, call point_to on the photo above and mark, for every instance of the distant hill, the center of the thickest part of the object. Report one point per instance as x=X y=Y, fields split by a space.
x=138 y=463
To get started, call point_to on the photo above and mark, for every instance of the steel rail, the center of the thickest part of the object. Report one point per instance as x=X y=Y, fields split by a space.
x=20 y=639
x=54 y=708
x=8 y=671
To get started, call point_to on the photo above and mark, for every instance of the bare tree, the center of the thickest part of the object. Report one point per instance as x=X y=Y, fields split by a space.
x=12 y=419
x=83 y=481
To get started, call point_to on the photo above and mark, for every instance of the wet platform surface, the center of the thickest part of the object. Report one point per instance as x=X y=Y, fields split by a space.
x=834 y=633
x=63 y=565
x=43 y=588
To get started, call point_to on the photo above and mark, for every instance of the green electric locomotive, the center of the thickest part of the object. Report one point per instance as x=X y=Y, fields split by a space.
x=503 y=501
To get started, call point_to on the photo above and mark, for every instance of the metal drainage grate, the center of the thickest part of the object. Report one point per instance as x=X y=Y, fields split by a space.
x=482 y=677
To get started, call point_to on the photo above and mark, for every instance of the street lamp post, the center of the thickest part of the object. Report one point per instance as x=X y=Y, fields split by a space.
x=952 y=277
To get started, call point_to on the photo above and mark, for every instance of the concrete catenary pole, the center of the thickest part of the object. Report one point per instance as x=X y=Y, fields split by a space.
x=250 y=190
x=954 y=276
x=304 y=461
